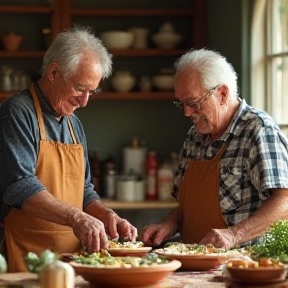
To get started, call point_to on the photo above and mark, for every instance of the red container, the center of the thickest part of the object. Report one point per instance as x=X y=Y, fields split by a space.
x=151 y=168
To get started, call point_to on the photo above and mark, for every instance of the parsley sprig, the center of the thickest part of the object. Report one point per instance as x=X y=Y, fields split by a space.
x=274 y=243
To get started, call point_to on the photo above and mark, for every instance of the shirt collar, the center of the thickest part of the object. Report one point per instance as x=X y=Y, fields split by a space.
x=44 y=103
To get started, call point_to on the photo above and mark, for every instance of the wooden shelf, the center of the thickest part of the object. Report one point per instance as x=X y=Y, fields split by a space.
x=132 y=12
x=22 y=54
x=26 y=9
x=134 y=96
x=169 y=95
x=113 y=204
x=115 y=52
x=146 y=52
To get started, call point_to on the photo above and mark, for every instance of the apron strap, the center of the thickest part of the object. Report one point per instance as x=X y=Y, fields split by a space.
x=38 y=112
x=72 y=131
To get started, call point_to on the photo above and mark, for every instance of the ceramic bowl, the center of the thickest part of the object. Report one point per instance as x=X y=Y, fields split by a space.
x=163 y=82
x=123 y=81
x=11 y=42
x=260 y=274
x=166 y=40
x=117 y=39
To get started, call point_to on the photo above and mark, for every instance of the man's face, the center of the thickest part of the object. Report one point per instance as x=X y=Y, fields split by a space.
x=200 y=105
x=68 y=94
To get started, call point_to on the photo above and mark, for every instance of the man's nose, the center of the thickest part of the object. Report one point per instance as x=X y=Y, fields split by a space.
x=188 y=111
x=83 y=99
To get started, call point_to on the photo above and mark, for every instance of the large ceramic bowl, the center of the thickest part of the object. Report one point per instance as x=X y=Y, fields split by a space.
x=126 y=277
x=163 y=82
x=166 y=40
x=117 y=39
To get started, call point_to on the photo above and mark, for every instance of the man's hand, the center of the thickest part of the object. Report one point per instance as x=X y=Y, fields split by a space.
x=117 y=227
x=90 y=231
x=155 y=234
x=220 y=238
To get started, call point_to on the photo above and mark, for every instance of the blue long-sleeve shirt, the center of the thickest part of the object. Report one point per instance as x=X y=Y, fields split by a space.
x=19 y=146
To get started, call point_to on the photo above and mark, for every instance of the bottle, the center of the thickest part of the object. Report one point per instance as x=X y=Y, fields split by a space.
x=95 y=171
x=109 y=180
x=174 y=161
x=134 y=158
x=165 y=179
x=151 y=167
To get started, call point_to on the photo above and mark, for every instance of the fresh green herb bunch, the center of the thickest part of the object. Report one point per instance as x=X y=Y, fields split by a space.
x=36 y=263
x=274 y=243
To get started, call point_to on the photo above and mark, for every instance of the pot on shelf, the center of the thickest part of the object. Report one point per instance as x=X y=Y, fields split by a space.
x=117 y=39
x=11 y=42
x=123 y=81
x=167 y=37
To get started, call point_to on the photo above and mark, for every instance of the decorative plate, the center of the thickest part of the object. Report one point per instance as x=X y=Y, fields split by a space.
x=194 y=262
x=137 y=252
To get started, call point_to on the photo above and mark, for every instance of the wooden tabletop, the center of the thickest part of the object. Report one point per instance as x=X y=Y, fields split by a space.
x=181 y=279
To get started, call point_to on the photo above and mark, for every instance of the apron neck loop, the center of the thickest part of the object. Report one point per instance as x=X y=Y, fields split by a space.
x=38 y=112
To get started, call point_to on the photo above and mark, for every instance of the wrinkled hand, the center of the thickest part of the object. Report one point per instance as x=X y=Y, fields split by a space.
x=117 y=227
x=155 y=234
x=90 y=231
x=220 y=238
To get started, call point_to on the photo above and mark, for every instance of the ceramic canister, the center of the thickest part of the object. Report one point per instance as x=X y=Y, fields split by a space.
x=134 y=160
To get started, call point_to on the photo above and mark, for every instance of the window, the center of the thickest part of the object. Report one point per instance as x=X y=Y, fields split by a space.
x=270 y=59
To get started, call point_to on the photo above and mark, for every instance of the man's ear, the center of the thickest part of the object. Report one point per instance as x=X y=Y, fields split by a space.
x=52 y=71
x=224 y=92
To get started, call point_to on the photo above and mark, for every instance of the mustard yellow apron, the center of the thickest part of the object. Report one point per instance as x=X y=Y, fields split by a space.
x=60 y=168
x=199 y=199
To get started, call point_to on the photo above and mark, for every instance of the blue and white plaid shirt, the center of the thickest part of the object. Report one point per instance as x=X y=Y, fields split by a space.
x=254 y=162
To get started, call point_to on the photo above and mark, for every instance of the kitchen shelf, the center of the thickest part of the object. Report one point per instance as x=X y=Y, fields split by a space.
x=146 y=52
x=113 y=204
x=62 y=14
x=132 y=12
x=169 y=95
x=115 y=52
x=22 y=54
x=134 y=96
x=26 y=9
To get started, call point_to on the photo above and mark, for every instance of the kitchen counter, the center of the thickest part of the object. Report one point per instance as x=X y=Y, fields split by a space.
x=209 y=278
x=180 y=279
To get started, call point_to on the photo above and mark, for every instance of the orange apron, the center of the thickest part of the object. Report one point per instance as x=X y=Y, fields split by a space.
x=199 y=199
x=60 y=168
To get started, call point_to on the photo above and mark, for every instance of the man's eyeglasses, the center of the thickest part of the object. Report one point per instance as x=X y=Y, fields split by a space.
x=194 y=104
x=82 y=89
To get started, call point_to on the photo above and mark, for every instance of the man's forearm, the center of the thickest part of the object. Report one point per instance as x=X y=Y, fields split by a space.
x=45 y=206
x=275 y=208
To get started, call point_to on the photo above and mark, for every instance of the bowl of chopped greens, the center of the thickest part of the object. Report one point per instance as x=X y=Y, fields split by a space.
x=103 y=270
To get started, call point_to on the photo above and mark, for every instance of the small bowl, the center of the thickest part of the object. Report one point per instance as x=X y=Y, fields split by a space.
x=166 y=40
x=11 y=42
x=117 y=39
x=259 y=274
x=163 y=82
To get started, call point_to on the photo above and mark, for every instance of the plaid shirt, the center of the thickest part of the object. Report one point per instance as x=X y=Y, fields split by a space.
x=255 y=161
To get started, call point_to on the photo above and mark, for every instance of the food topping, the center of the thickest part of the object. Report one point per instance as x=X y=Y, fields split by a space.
x=263 y=262
x=104 y=259
x=125 y=244
x=196 y=249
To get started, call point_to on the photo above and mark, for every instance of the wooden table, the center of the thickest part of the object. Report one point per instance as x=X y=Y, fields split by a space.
x=210 y=278
x=185 y=279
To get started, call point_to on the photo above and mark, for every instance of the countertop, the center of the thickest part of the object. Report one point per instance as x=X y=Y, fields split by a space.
x=181 y=279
